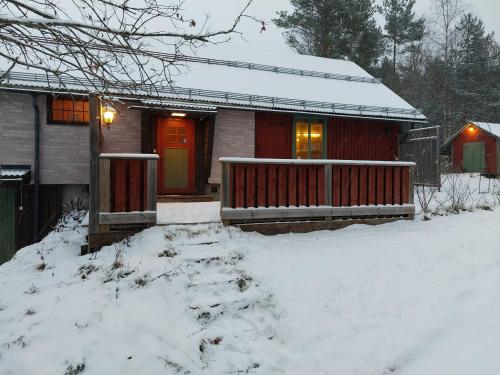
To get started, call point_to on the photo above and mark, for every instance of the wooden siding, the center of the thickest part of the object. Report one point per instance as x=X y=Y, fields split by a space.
x=490 y=149
x=362 y=139
x=273 y=135
x=128 y=185
x=289 y=185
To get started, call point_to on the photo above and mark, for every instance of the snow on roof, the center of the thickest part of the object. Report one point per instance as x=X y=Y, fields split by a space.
x=326 y=86
x=489 y=127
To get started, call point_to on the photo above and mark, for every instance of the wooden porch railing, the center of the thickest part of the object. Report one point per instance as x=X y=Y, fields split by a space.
x=256 y=190
x=127 y=189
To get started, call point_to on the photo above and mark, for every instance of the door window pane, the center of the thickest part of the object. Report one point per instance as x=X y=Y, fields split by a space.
x=316 y=140
x=302 y=139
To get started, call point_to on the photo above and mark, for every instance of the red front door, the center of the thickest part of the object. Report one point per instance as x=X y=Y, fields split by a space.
x=175 y=145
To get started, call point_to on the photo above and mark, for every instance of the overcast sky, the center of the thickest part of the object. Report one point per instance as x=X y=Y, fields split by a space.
x=222 y=11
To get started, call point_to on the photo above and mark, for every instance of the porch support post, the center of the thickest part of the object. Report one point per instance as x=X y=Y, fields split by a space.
x=94 y=137
x=225 y=185
x=411 y=188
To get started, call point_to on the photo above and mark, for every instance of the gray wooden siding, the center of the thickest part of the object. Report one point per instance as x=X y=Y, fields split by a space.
x=64 y=149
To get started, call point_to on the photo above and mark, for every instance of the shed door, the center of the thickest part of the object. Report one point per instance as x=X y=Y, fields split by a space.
x=474 y=157
x=7 y=224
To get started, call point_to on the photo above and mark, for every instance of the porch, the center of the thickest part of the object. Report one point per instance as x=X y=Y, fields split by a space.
x=265 y=195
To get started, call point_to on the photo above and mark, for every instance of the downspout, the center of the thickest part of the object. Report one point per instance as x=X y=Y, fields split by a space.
x=36 y=172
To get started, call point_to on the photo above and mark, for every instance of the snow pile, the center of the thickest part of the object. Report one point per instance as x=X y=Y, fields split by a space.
x=410 y=297
x=165 y=301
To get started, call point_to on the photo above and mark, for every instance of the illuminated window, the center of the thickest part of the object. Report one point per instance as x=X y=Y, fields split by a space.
x=309 y=139
x=68 y=111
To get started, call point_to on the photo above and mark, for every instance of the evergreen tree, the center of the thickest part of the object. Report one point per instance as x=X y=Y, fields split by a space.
x=400 y=25
x=342 y=29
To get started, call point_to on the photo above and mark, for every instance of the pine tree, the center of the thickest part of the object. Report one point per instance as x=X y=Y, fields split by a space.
x=400 y=25
x=342 y=29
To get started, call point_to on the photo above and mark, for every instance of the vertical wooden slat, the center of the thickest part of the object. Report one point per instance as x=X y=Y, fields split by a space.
x=322 y=185
x=397 y=186
x=250 y=193
x=405 y=184
x=354 y=186
x=262 y=185
x=225 y=200
x=380 y=187
x=312 y=184
x=134 y=183
x=292 y=186
x=336 y=185
x=302 y=188
x=282 y=185
x=271 y=186
x=239 y=189
x=119 y=185
x=363 y=185
x=389 y=184
x=346 y=185
x=104 y=181
x=372 y=185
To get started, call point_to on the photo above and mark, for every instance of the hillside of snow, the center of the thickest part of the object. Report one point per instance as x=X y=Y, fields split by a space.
x=411 y=297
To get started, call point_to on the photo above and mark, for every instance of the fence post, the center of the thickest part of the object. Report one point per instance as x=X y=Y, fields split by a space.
x=94 y=130
x=328 y=185
x=151 y=185
x=104 y=189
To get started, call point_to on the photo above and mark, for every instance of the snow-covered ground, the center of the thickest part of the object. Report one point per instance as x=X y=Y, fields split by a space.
x=411 y=297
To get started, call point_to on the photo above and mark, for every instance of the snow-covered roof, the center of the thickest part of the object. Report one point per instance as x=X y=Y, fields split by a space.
x=489 y=127
x=296 y=83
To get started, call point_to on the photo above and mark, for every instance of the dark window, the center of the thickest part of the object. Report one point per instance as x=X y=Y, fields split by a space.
x=68 y=110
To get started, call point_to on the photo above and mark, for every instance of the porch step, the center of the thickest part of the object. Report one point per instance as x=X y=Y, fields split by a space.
x=184 y=198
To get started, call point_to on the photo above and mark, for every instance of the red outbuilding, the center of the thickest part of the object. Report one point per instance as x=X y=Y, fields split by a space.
x=476 y=148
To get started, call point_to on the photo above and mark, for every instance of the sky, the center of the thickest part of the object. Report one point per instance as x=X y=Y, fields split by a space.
x=223 y=11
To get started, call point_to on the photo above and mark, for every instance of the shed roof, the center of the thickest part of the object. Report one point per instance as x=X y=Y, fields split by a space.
x=488 y=127
x=296 y=83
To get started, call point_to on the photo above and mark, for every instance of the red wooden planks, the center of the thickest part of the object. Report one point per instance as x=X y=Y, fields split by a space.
x=354 y=196
x=320 y=170
x=119 y=185
x=397 y=185
x=380 y=187
x=272 y=186
x=239 y=188
x=302 y=188
x=282 y=185
x=250 y=186
x=261 y=185
x=405 y=185
x=312 y=184
x=292 y=186
x=345 y=185
x=134 y=182
x=389 y=184
x=336 y=188
x=363 y=186
x=372 y=185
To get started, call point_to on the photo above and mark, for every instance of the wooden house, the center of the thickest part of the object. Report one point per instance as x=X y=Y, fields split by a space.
x=475 y=148
x=296 y=132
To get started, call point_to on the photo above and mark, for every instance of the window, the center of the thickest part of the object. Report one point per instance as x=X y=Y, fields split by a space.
x=68 y=110
x=309 y=138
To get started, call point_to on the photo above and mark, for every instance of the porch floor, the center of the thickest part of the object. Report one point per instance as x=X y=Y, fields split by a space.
x=184 y=213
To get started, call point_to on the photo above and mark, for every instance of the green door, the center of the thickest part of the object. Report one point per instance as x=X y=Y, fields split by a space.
x=474 y=157
x=7 y=224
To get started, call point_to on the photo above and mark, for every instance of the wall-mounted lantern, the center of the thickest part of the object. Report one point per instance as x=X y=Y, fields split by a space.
x=108 y=115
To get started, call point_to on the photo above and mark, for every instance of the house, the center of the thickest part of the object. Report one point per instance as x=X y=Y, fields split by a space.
x=475 y=148
x=300 y=107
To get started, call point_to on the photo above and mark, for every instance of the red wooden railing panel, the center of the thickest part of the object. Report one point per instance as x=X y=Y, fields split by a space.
x=291 y=185
x=128 y=185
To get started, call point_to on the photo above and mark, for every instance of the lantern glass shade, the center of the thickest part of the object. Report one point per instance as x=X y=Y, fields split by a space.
x=108 y=115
